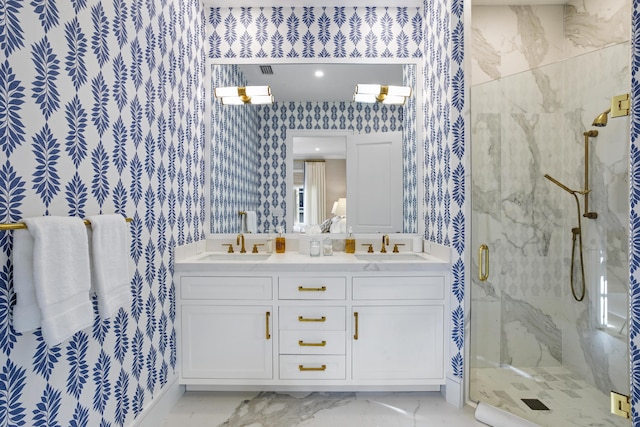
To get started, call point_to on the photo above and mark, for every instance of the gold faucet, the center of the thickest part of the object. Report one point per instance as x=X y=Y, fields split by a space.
x=385 y=242
x=238 y=240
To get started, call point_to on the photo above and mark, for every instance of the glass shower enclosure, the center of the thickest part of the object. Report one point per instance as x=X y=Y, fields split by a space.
x=535 y=351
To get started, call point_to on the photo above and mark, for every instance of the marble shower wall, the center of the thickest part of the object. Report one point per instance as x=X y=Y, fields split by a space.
x=534 y=36
x=524 y=126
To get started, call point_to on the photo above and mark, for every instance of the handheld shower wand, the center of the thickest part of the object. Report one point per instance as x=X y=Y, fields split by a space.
x=576 y=231
x=564 y=187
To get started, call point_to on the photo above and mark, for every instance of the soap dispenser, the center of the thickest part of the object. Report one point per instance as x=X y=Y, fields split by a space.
x=350 y=243
x=280 y=242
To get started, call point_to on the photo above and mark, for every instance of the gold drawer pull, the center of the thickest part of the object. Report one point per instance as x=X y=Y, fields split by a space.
x=303 y=289
x=312 y=319
x=355 y=316
x=267 y=332
x=312 y=344
x=322 y=368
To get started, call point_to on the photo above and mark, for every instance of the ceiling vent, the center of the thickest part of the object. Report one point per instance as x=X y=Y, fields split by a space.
x=266 y=69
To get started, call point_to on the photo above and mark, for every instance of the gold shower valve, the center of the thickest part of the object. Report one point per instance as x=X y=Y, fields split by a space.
x=620 y=105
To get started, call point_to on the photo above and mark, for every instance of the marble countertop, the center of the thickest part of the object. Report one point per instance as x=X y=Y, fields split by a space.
x=296 y=262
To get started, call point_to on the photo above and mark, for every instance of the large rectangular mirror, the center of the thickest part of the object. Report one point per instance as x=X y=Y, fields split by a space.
x=251 y=162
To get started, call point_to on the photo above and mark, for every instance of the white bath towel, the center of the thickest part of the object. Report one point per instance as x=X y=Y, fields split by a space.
x=26 y=312
x=252 y=222
x=61 y=275
x=110 y=262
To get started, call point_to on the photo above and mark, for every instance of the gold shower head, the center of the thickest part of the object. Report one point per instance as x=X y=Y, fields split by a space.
x=601 y=120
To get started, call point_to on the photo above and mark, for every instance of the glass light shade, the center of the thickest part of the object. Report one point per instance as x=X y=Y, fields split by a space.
x=231 y=100
x=234 y=95
x=404 y=91
x=371 y=93
x=222 y=92
x=252 y=91
x=261 y=99
x=363 y=97
x=368 y=89
x=396 y=100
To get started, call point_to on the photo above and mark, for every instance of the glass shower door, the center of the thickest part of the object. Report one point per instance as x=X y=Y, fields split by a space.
x=534 y=350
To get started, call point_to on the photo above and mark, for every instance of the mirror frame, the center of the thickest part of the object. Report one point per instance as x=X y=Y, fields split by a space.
x=418 y=92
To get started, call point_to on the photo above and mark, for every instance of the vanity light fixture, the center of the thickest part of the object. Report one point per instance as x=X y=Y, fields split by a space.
x=240 y=95
x=372 y=93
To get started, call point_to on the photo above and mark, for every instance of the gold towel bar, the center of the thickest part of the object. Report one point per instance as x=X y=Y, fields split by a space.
x=22 y=225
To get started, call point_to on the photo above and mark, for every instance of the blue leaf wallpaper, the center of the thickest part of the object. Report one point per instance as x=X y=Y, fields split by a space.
x=409 y=150
x=634 y=224
x=444 y=221
x=235 y=155
x=101 y=111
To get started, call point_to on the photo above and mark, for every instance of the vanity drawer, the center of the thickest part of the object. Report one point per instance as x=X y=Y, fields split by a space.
x=398 y=288
x=226 y=288
x=312 y=288
x=313 y=318
x=312 y=342
x=312 y=367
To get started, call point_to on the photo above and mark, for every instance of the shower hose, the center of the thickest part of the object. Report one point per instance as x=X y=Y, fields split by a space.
x=577 y=231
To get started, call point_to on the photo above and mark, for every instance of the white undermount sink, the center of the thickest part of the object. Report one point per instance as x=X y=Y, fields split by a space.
x=389 y=257
x=235 y=257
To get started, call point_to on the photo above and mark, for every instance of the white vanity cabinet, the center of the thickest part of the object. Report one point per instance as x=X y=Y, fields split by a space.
x=226 y=342
x=399 y=334
x=226 y=328
x=305 y=328
x=312 y=327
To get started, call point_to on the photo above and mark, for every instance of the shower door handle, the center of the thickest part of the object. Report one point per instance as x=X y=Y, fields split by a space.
x=483 y=262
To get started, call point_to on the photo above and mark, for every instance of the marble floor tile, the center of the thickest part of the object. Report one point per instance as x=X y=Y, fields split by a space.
x=570 y=401
x=270 y=409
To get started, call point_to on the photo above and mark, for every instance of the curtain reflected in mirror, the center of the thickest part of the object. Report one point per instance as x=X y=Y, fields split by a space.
x=314 y=192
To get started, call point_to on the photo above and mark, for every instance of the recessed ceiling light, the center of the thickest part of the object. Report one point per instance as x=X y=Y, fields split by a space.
x=317 y=149
x=319 y=73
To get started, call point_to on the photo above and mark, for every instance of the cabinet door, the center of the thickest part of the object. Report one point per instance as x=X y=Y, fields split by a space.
x=398 y=342
x=227 y=342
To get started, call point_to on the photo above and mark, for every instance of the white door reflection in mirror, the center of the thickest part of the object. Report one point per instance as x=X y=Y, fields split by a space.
x=374 y=177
